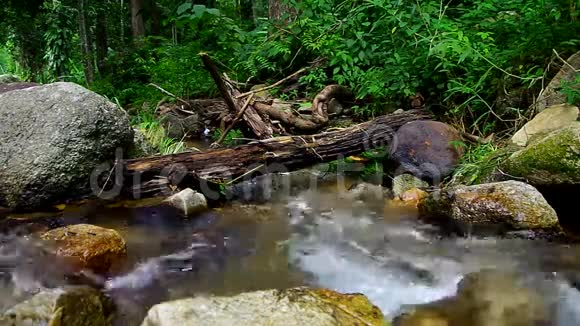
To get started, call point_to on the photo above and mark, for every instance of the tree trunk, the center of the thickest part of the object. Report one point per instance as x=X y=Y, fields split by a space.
x=205 y=171
x=277 y=9
x=137 y=25
x=155 y=19
x=102 y=41
x=86 y=44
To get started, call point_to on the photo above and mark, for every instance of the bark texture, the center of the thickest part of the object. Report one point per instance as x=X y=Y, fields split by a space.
x=137 y=25
x=150 y=176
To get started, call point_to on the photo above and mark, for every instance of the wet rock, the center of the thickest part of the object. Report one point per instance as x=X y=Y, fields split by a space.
x=368 y=192
x=426 y=149
x=188 y=201
x=499 y=206
x=485 y=298
x=405 y=182
x=7 y=79
x=70 y=306
x=298 y=306
x=53 y=137
x=551 y=94
x=88 y=246
x=552 y=118
x=552 y=159
x=4 y=88
x=410 y=198
x=141 y=146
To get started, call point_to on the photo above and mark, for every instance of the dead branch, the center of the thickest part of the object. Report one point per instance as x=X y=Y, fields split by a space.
x=236 y=119
x=261 y=128
x=281 y=81
x=174 y=96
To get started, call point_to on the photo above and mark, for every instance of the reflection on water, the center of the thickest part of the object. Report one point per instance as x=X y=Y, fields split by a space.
x=318 y=238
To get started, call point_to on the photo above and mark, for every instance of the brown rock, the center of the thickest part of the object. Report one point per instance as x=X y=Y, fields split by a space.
x=426 y=149
x=88 y=246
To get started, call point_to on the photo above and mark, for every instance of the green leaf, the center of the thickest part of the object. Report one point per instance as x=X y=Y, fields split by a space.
x=199 y=10
x=184 y=7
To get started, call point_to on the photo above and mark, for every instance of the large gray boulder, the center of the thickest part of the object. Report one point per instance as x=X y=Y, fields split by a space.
x=51 y=138
x=502 y=206
x=291 y=307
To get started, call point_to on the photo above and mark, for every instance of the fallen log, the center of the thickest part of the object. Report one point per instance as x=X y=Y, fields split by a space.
x=209 y=171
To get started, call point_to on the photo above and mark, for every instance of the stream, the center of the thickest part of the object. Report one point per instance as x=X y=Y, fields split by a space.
x=320 y=237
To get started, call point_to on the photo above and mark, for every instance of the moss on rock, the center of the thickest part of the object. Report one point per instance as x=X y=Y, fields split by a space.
x=507 y=205
x=88 y=246
x=70 y=306
x=548 y=160
x=296 y=306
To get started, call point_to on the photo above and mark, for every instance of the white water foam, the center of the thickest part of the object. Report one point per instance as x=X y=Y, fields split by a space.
x=398 y=265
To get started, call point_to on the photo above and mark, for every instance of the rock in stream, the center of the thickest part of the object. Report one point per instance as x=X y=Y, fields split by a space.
x=500 y=206
x=68 y=306
x=297 y=306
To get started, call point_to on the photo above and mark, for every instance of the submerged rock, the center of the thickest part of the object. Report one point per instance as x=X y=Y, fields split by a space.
x=188 y=201
x=501 y=206
x=88 y=246
x=551 y=160
x=405 y=182
x=552 y=118
x=485 y=298
x=52 y=137
x=297 y=306
x=70 y=306
x=277 y=185
x=368 y=192
x=426 y=149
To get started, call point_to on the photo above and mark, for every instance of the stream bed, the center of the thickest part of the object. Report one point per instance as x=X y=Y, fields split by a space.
x=320 y=238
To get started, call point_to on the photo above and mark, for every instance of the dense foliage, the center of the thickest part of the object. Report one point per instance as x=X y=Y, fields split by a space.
x=480 y=62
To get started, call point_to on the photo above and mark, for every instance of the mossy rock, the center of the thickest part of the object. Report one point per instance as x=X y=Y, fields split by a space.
x=70 y=306
x=88 y=246
x=499 y=206
x=548 y=160
x=296 y=306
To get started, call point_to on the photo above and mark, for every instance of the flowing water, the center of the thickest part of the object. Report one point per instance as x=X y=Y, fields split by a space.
x=320 y=237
